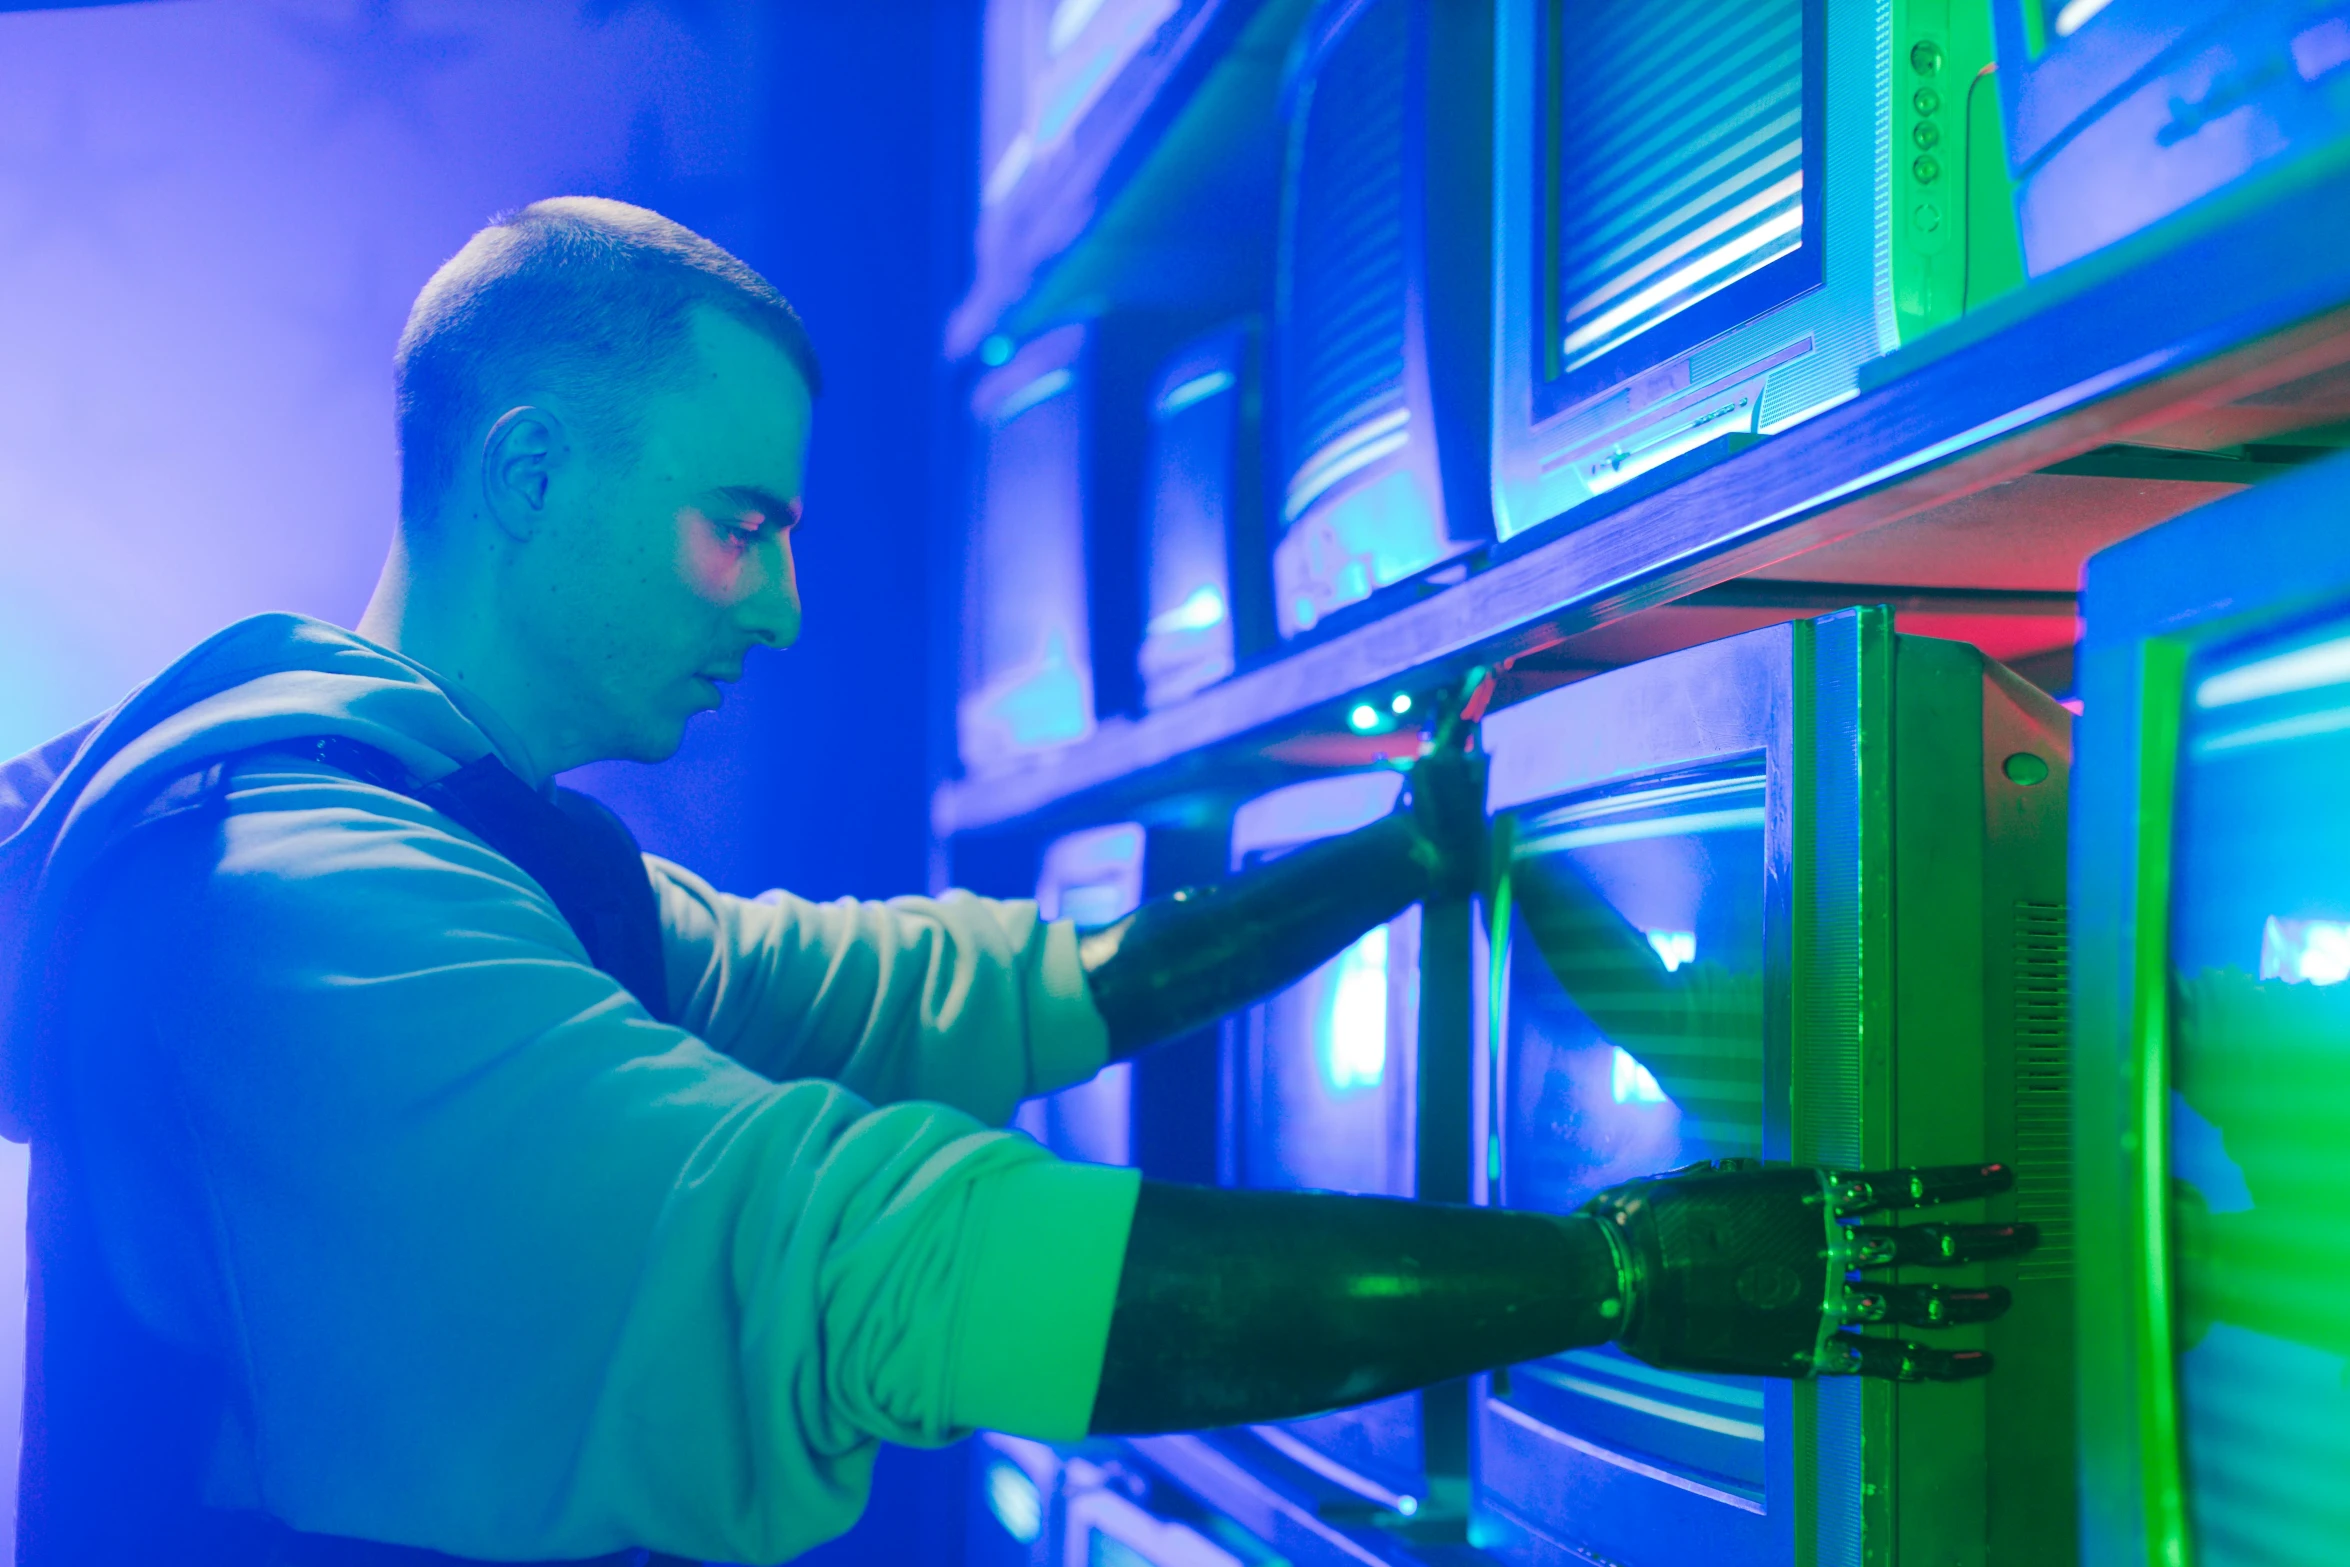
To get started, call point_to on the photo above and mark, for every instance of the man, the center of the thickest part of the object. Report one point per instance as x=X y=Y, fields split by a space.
x=421 y=1174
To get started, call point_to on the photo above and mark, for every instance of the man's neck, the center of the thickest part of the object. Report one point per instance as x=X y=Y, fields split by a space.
x=446 y=620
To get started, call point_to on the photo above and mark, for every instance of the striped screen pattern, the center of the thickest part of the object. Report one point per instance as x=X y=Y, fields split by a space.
x=1675 y=182
x=1345 y=304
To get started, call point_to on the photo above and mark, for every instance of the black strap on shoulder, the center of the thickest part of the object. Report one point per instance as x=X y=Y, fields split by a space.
x=571 y=845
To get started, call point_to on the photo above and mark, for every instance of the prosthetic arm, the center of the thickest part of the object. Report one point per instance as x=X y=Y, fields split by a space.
x=1243 y=1306
x=1238 y=1306
x=1181 y=962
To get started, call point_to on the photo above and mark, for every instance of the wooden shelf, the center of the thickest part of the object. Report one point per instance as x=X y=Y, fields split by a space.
x=1974 y=465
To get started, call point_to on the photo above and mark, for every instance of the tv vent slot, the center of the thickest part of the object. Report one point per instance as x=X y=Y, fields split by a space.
x=2043 y=1086
x=1345 y=311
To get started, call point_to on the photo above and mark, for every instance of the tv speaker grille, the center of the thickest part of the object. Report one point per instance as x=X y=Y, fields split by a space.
x=1347 y=306
x=2043 y=1086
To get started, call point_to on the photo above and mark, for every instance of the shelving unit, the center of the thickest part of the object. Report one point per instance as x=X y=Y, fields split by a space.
x=1965 y=485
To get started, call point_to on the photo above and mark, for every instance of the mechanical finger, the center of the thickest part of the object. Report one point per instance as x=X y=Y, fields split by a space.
x=1876 y=1191
x=1849 y=1354
x=1923 y=1305
x=1934 y=1245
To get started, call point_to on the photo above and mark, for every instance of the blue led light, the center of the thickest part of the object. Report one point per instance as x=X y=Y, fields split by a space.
x=1364 y=719
x=1673 y=947
x=995 y=350
x=1354 y=1024
x=1016 y=1502
x=2312 y=952
x=1632 y=1083
x=1203 y=609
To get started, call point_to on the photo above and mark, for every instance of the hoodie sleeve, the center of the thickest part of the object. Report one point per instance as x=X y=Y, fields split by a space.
x=964 y=1000
x=503 y=1267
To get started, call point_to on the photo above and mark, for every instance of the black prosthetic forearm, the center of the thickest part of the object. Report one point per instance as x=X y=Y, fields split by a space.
x=1178 y=963
x=1240 y=1306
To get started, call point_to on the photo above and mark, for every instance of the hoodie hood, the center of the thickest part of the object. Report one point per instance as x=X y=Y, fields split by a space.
x=263 y=681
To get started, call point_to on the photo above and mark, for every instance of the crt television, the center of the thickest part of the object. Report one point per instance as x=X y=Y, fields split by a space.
x=1093 y=877
x=1708 y=217
x=1026 y=682
x=1381 y=297
x=1798 y=894
x=1339 y=1084
x=2123 y=112
x=1202 y=527
x=2211 y=871
x=1071 y=92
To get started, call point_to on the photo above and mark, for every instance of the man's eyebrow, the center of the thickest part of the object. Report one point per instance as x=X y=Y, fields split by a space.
x=758 y=498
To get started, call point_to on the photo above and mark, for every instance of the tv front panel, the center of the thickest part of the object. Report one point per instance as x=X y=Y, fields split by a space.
x=1094 y=878
x=2213 y=873
x=2123 y=113
x=1202 y=541
x=1793 y=895
x=1027 y=664
x=1707 y=218
x=1367 y=403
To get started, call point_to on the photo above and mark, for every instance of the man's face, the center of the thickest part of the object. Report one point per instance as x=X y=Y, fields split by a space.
x=673 y=559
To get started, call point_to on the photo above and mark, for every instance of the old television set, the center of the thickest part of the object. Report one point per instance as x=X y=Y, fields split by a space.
x=1027 y=659
x=2211 y=872
x=1093 y=877
x=1382 y=291
x=1352 y=1080
x=1202 y=540
x=1071 y=92
x=1796 y=895
x=1708 y=218
x=2121 y=113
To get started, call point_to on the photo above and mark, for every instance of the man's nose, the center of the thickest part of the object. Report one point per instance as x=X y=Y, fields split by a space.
x=772 y=615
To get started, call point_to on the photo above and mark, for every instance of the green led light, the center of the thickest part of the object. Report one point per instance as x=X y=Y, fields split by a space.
x=1364 y=718
x=1926 y=134
x=1925 y=58
x=1927 y=170
x=995 y=350
x=1401 y=705
x=1925 y=100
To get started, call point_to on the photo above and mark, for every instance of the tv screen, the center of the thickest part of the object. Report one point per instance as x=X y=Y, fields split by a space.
x=1322 y=1095
x=1093 y=878
x=1027 y=678
x=1677 y=198
x=1327 y=1064
x=1194 y=505
x=1633 y=1042
x=2260 y=1102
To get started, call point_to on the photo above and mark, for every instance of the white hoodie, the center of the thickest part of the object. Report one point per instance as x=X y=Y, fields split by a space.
x=498 y=1264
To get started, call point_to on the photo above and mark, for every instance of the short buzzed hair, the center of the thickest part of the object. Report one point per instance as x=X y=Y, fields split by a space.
x=577 y=294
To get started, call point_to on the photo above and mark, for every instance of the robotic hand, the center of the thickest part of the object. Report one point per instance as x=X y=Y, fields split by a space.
x=1243 y=1306
x=1735 y=1267
x=1180 y=962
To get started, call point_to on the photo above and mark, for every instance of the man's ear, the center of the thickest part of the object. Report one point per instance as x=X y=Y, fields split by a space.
x=519 y=458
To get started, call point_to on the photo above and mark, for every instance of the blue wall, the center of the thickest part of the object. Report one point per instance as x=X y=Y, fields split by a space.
x=212 y=218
